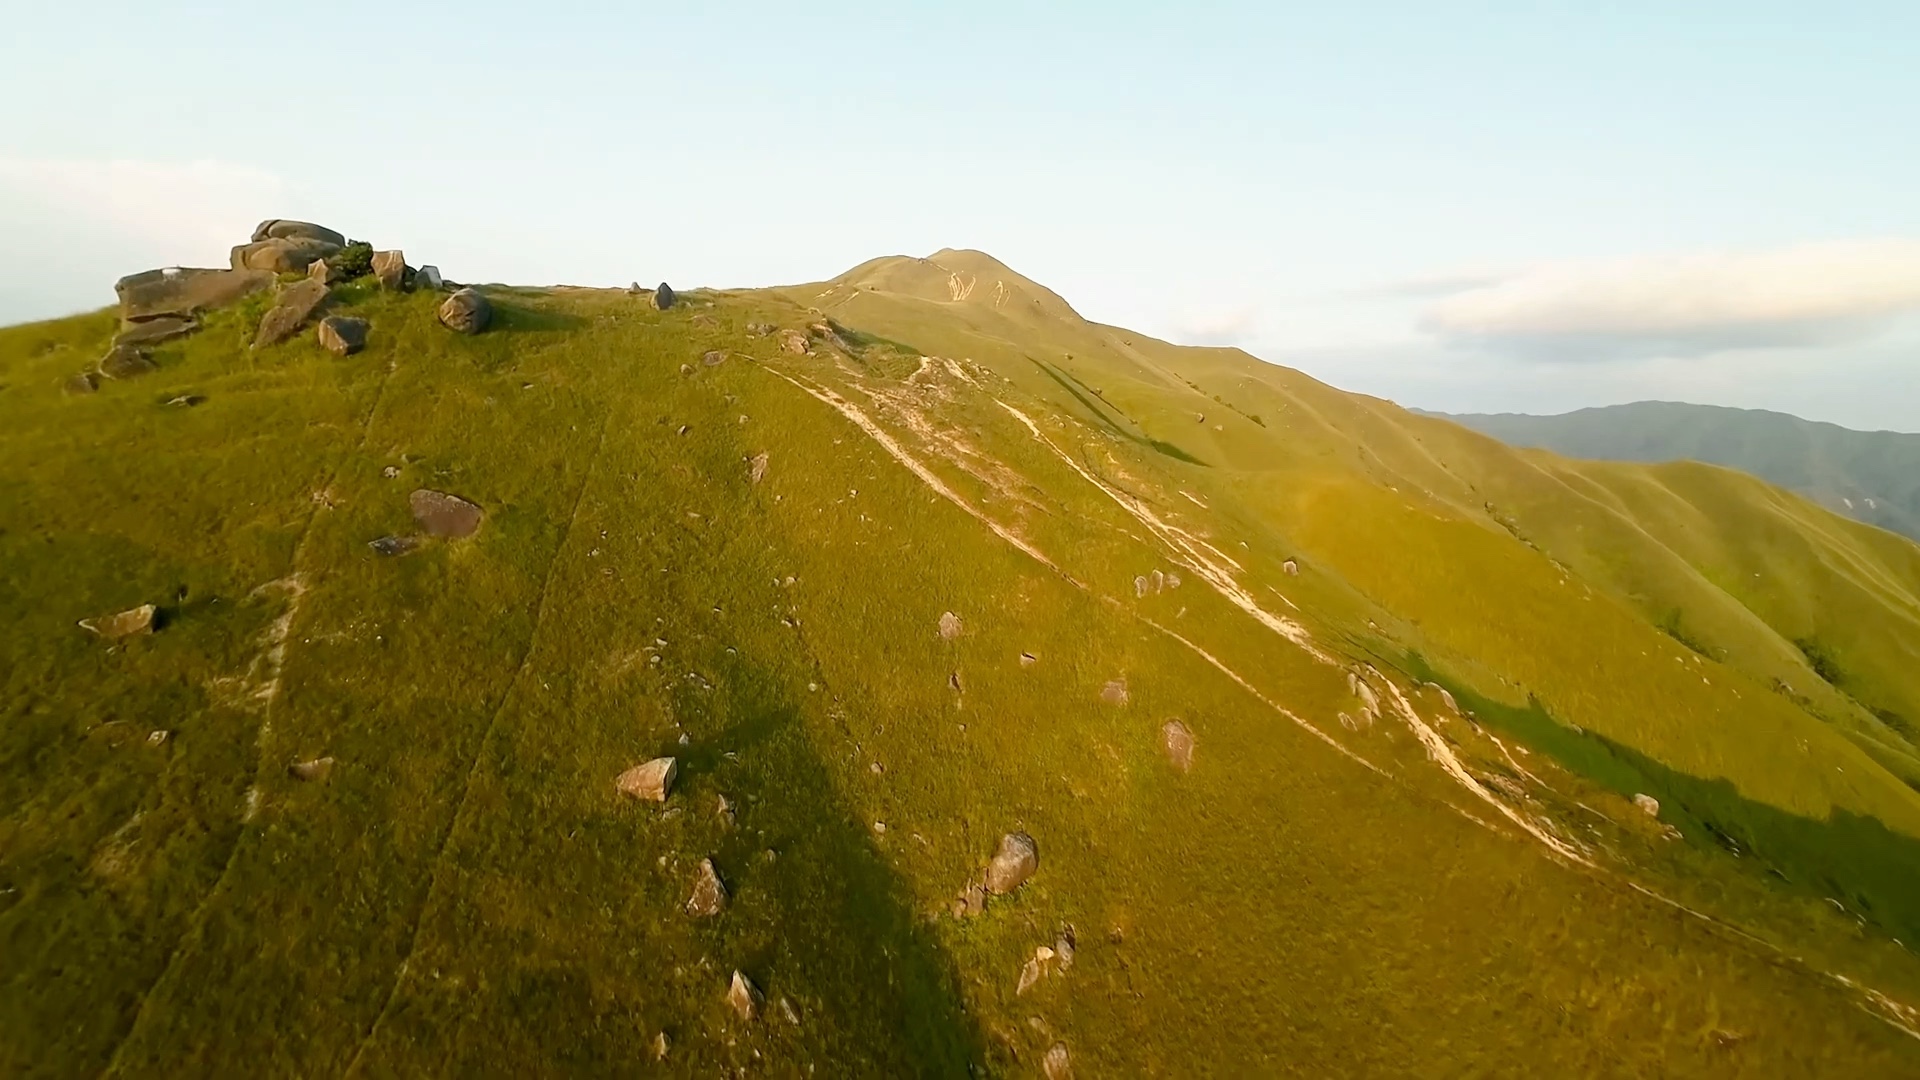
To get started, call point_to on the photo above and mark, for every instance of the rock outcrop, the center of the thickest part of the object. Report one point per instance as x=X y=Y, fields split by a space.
x=1016 y=860
x=184 y=292
x=296 y=305
x=466 y=311
x=446 y=516
x=343 y=336
x=649 y=782
x=283 y=255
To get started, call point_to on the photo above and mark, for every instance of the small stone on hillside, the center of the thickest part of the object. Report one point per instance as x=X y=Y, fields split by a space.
x=394 y=545
x=1177 y=739
x=949 y=626
x=1114 y=692
x=390 y=269
x=158 y=737
x=663 y=297
x=466 y=311
x=744 y=997
x=315 y=771
x=343 y=336
x=125 y=624
x=1015 y=861
x=724 y=811
x=86 y=382
x=295 y=305
x=757 y=468
x=390 y=472
x=185 y=401
x=1139 y=586
x=1057 y=1064
x=651 y=782
x=1648 y=805
x=1027 y=659
x=1447 y=700
x=660 y=1046
x=709 y=892
x=1290 y=568
x=760 y=329
x=793 y=341
x=126 y=362
x=444 y=515
x=713 y=358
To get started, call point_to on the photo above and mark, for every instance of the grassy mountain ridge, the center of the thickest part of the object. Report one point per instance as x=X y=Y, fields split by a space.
x=1332 y=887
x=1873 y=476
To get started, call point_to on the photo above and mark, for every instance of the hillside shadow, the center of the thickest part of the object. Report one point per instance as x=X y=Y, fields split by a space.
x=1087 y=398
x=1850 y=858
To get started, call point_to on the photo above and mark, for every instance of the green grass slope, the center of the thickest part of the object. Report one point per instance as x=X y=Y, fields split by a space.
x=1330 y=889
x=1873 y=476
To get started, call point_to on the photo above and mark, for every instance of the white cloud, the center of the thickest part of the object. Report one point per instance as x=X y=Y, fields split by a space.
x=1681 y=306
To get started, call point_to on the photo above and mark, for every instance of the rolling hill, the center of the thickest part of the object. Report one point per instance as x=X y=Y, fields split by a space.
x=1336 y=727
x=1872 y=476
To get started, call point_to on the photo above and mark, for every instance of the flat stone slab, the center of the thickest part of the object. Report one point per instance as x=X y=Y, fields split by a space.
x=447 y=516
x=185 y=291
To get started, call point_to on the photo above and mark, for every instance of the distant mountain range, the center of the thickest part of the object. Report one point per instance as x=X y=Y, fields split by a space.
x=1872 y=476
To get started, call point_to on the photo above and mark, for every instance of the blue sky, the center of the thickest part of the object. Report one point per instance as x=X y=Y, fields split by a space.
x=1527 y=207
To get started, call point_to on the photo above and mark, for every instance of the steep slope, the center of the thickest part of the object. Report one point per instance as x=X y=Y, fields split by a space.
x=1873 y=476
x=1350 y=877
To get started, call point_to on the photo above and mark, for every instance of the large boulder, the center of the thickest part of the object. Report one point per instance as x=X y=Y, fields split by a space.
x=443 y=515
x=296 y=305
x=156 y=330
x=390 y=269
x=428 y=277
x=343 y=336
x=663 y=297
x=466 y=311
x=281 y=256
x=184 y=291
x=1015 y=861
x=284 y=229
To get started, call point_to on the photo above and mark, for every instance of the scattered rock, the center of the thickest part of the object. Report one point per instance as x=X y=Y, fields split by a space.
x=1290 y=568
x=322 y=270
x=651 y=782
x=1015 y=861
x=1173 y=579
x=428 y=277
x=949 y=626
x=390 y=472
x=1446 y=699
x=1027 y=659
x=1114 y=692
x=394 y=545
x=661 y=1046
x=953 y=681
x=286 y=229
x=444 y=515
x=787 y=1010
x=86 y=382
x=760 y=329
x=1034 y=970
x=1057 y=1064
x=184 y=292
x=793 y=341
x=724 y=811
x=635 y=289
x=1648 y=805
x=663 y=297
x=125 y=624
x=156 y=330
x=466 y=311
x=296 y=304
x=159 y=737
x=1139 y=586
x=343 y=336
x=972 y=900
x=186 y=401
x=1063 y=947
x=127 y=362
x=315 y=771
x=709 y=892
x=1177 y=739
x=390 y=269
x=744 y=997
x=713 y=358
x=757 y=468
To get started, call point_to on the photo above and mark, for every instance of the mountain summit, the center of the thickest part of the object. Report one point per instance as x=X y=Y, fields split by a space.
x=902 y=675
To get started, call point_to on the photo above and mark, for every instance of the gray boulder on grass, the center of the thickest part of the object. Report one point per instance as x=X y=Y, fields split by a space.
x=466 y=311
x=343 y=336
x=296 y=305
